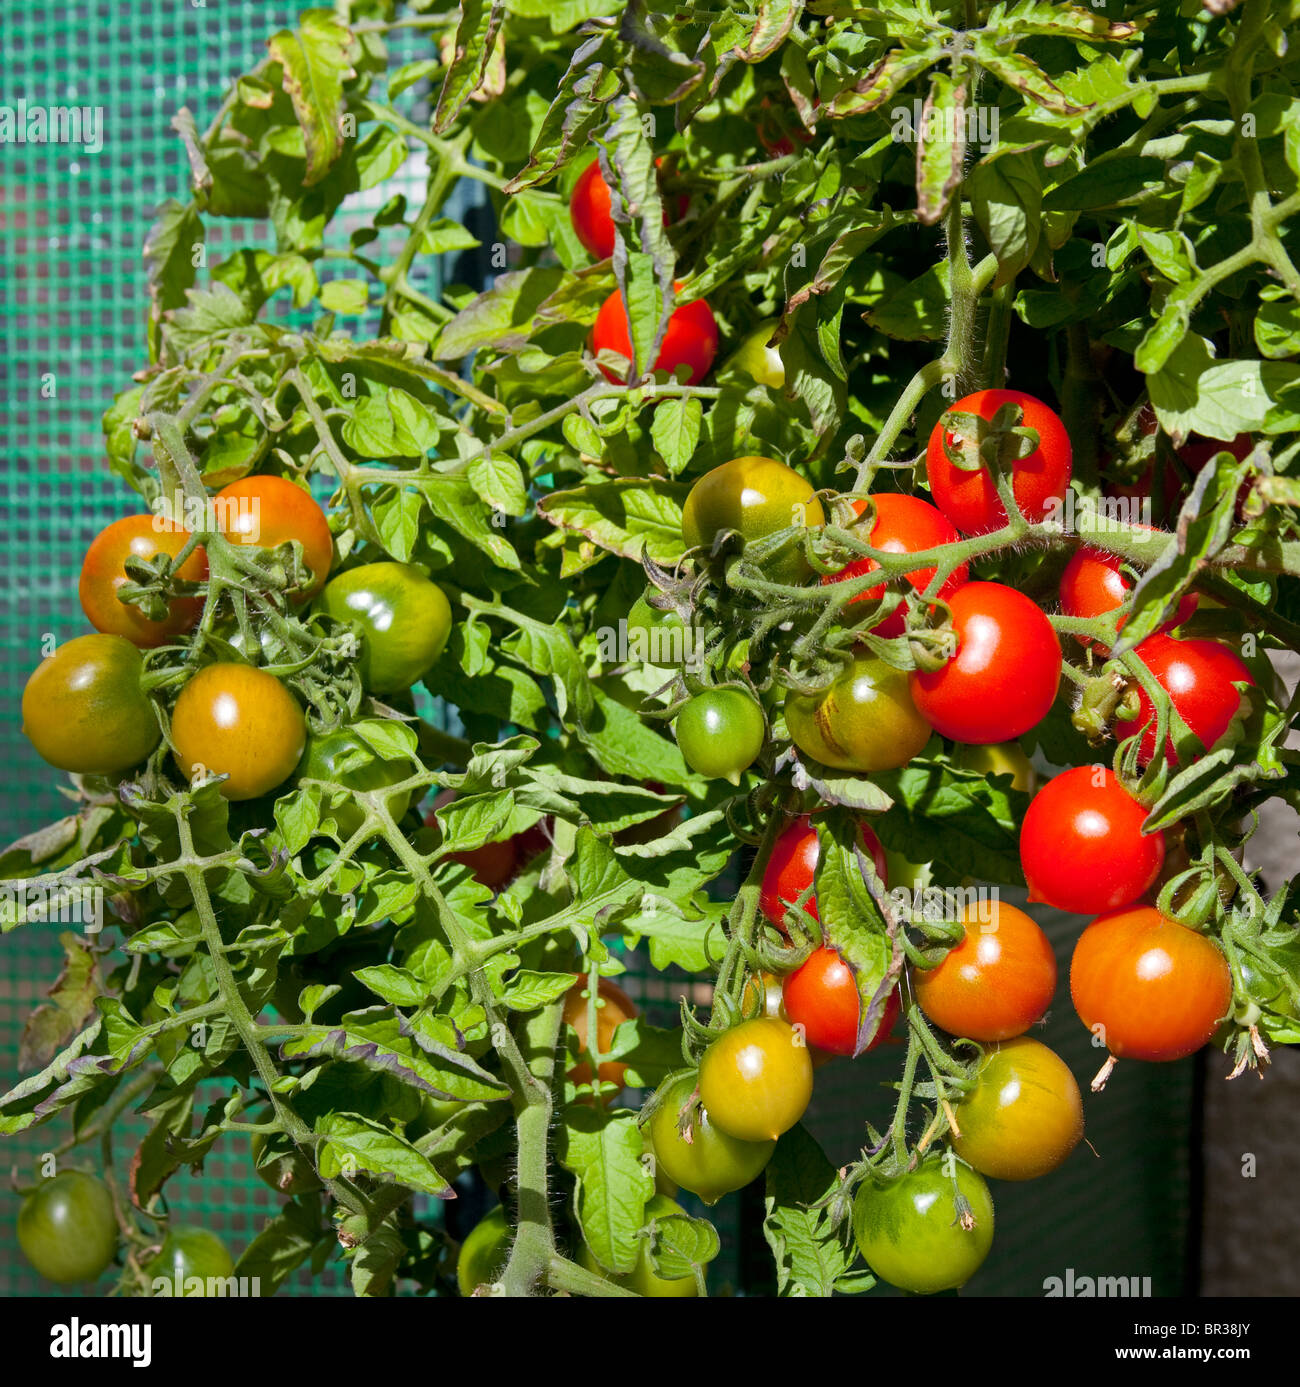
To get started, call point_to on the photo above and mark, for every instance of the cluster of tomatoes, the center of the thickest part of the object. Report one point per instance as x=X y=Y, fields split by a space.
x=87 y=707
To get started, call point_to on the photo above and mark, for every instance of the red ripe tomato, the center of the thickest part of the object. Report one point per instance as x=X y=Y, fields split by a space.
x=1082 y=846
x=268 y=511
x=822 y=996
x=996 y=983
x=1093 y=584
x=1198 y=676
x=1198 y=450
x=1004 y=676
x=492 y=864
x=1148 y=987
x=902 y=525
x=691 y=339
x=104 y=571
x=970 y=499
x=589 y=210
x=793 y=864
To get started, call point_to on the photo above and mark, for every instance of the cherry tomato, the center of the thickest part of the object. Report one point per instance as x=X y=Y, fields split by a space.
x=1024 y=1116
x=755 y=496
x=190 y=1259
x=589 y=210
x=280 y=1165
x=1148 y=987
x=901 y=525
x=720 y=733
x=403 y=620
x=778 y=131
x=1094 y=584
x=270 y=511
x=1198 y=676
x=84 y=709
x=103 y=571
x=761 y=363
x=994 y=984
x=763 y=994
x=657 y=637
x=241 y=722
x=998 y=758
x=493 y=864
x=691 y=339
x=1082 y=846
x=909 y=1231
x=329 y=757
x=484 y=1253
x=822 y=996
x=793 y=864
x=613 y=1008
x=1004 y=676
x=865 y=721
x=712 y=1163
x=67 y=1229
x=643 y=1279
x=970 y=498
x=756 y=1079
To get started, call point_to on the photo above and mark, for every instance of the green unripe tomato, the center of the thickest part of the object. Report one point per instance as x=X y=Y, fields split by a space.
x=865 y=721
x=712 y=1164
x=189 y=1259
x=325 y=757
x=909 y=1232
x=761 y=363
x=643 y=1279
x=999 y=758
x=655 y=637
x=84 y=710
x=484 y=1253
x=67 y=1229
x=756 y=496
x=720 y=733
x=402 y=617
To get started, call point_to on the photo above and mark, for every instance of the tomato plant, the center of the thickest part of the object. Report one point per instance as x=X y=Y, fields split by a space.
x=996 y=982
x=1024 y=1115
x=861 y=360
x=1147 y=987
x=67 y=1228
x=482 y=1256
x=1082 y=844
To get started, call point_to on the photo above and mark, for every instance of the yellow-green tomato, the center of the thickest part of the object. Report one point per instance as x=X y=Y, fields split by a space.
x=761 y=363
x=756 y=1079
x=865 y=721
x=484 y=1253
x=910 y=1232
x=720 y=733
x=643 y=1279
x=1024 y=1116
x=67 y=1229
x=999 y=758
x=755 y=496
x=712 y=1163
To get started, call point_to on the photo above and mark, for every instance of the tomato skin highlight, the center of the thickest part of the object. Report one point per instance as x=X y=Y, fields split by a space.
x=1003 y=679
x=1025 y=1114
x=84 y=710
x=865 y=721
x=691 y=339
x=970 y=499
x=103 y=571
x=1082 y=846
x=756 y=1079
x=761 y=363
x=1094 y=584
x=901 y=525
x=1198 y=675
x=908 y=1231
x=614 y=1007
x=712 y=1163
x=720 y=733
x=402 y=617
x=822 y=996
x=266 y=511
x=67 y=1229
x=242 y=722
x=792 y=866
x=994 y=984
x=1157 y=989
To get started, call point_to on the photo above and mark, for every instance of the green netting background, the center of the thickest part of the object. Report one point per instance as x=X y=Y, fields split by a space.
x=72 y=296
